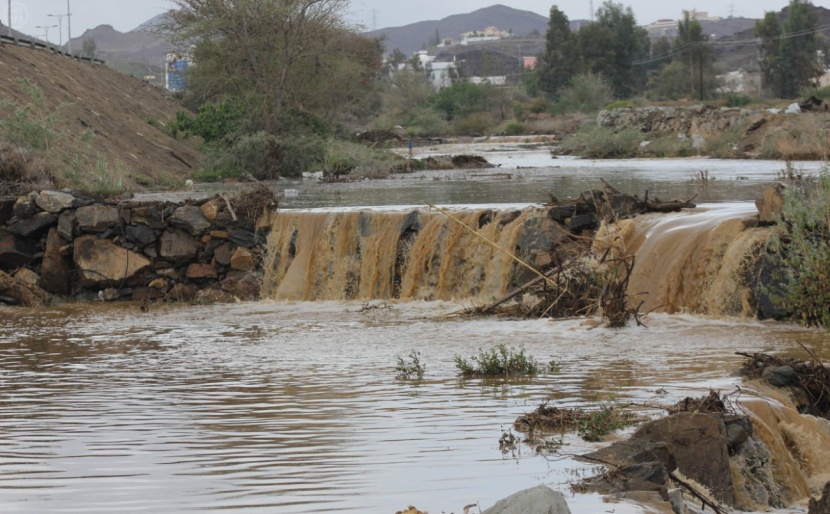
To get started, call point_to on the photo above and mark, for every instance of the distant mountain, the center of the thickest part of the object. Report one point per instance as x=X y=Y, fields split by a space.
x=413 y=37
x=138 y=52
x=715 y=28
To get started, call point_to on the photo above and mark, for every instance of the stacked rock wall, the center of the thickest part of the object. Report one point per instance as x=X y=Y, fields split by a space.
x=71 y=245
x=690 y=121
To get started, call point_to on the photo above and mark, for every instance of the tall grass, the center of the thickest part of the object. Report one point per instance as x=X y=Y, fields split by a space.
x=801 y=250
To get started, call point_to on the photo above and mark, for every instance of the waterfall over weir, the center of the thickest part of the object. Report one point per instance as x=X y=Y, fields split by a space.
x=691 y=261
x=408 y=254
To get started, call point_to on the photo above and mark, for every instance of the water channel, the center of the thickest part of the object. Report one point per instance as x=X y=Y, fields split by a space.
x=294 y=407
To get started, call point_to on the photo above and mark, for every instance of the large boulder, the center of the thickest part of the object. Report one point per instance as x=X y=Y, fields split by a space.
x=698 y=444
x=537 y=500
x=821 y=505
x=101 y=263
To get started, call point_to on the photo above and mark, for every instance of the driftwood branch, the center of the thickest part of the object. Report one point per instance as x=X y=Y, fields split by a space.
x=696 y=494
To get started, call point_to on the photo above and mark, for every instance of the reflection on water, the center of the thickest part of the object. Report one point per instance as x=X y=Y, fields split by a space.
x=294 y=407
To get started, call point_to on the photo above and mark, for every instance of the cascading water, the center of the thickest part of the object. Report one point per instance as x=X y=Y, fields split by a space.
x=408 y=254
x=690 y=261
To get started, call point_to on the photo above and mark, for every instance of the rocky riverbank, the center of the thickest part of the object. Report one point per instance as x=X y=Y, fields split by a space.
x=71 y=245
x=797 y=133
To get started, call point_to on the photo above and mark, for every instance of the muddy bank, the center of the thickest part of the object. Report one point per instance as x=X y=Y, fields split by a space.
x=70 y=245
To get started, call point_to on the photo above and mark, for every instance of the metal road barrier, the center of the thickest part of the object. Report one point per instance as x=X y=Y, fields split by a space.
x=6 y=40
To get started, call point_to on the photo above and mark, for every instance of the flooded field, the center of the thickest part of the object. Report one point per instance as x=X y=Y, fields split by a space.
x=294 y=408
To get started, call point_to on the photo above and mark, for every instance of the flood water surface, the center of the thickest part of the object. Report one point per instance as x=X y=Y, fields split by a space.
x=292 y=408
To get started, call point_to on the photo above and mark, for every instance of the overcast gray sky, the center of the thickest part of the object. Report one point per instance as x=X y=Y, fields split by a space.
x=126 y=15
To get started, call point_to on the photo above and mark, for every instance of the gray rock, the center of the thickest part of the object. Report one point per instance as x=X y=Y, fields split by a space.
x=6 y=208
x=66 y=225
x=537 y=500
x=177 y=245
x=15 y=252
x=190 y=219
x=150 y=215
x=678 y=506
x=55 y=201
x=97 y=218
x=140 y=234
x=32 y=225
x=242 y=237
x=24 y=208
x=779 y=376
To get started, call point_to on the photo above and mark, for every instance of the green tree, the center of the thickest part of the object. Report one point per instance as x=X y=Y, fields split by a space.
x=768 y=31
x=799 y=66
x=698 y=57
x=558 y=64
x=788 y=49
x=612 y=45
x=251 y=48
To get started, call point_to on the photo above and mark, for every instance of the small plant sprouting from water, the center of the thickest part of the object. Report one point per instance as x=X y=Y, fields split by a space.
x=608 y=418
x=497 y=362
x=554 y=366
x=508 y=441
x=411 y=366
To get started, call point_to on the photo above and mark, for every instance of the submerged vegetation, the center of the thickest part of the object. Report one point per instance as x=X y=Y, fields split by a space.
x=499 y=361
x=412 y=366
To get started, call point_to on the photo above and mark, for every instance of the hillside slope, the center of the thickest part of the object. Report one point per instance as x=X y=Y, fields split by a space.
x=410 y=38
x=119 y=108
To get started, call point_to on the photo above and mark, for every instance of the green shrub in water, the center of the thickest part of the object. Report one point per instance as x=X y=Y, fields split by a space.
x=497 y=362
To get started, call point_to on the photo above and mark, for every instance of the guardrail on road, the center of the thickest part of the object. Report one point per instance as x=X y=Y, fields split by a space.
x=37 y=45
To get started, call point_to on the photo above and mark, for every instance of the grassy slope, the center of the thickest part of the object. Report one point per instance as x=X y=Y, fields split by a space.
x=117 y=106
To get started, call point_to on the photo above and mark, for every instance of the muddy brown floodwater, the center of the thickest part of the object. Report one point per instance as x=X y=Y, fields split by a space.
x=293 y=406
x=270 y=407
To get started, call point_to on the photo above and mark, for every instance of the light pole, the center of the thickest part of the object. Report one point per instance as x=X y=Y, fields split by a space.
x=46 y=30
x=60 y=27
x=68 y=28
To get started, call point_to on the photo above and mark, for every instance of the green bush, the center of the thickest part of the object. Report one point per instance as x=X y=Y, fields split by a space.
x=359 y=161
x=587 y=93
x=214 y=121
x=602 y=422
x=255 y=153
x=514 y=129
x=426 y=122
x=801 y=249
x=737 y=99
x=496 y=362
x=463 y=98
x=603 y=143
x=619 y=104
x=477 y=123
x=820 y=93
x=670 y=146
x=406 y=368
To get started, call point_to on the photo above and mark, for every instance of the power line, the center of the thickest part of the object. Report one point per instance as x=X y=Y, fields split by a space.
x=727 y=43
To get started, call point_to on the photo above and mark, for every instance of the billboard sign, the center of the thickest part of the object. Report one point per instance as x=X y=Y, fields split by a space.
x=175 y=78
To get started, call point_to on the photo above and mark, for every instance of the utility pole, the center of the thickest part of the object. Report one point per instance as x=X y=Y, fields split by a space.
x=10 y=18
x=68 y=28
x=60 y=27
x=46 y=30
x=591 y=3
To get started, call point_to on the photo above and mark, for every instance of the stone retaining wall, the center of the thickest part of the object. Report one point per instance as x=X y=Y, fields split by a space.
x=700 y=120
x=72 y=245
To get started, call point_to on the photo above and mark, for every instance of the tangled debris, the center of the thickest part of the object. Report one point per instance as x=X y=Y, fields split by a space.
x=592 y=425
x=581 y=276
x=808 y=381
